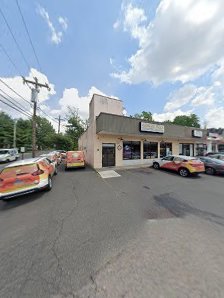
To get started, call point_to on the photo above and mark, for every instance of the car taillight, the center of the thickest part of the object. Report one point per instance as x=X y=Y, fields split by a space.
x=38 y=172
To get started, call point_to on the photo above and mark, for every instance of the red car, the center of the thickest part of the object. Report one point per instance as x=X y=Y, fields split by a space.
x=26 y=176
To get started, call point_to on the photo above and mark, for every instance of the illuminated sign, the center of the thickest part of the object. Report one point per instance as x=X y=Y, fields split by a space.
x=151 y=127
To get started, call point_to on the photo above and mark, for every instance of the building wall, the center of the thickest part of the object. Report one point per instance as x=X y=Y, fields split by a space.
x=119 y=153
x=89 y=142
x=108 y=125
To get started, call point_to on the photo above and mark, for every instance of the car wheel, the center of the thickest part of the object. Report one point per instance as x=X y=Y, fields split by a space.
x=56 y=171
x=183 y=172
x=49 y=186
x=210 y=171
x=155 y=165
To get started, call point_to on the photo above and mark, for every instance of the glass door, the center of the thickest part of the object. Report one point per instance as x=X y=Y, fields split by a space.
x=108 y=155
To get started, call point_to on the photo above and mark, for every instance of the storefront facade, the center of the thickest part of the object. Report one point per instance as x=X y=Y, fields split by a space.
x=116 y=140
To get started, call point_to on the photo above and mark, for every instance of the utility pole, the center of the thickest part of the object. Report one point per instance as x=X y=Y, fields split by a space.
x=14 y=134
x=59 y=123
x=34 y=94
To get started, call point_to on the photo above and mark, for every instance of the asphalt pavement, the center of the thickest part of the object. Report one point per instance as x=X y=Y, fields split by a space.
x=146 y=233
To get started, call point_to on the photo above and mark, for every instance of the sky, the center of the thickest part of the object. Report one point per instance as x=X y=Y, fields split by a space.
x=164 y=56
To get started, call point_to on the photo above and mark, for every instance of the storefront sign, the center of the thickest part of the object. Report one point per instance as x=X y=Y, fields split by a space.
x=197 y=133
x=213 y=135
x=151 y=127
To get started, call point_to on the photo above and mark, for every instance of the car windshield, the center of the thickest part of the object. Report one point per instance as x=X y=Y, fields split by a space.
x=3 y=152
x=18 y=170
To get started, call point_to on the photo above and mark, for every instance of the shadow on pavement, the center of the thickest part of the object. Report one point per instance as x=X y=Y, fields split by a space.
x=177 y=208
x=19 y=201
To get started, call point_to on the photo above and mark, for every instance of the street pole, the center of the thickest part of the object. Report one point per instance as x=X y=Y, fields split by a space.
x=34 y=129
x=34 y=93
x=14 y=135
x=59 y=123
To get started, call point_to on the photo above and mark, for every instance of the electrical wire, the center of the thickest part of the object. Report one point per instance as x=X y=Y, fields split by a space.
x=14 y=102
x=10 y=59
x=28 y=34
x=13 y=36
x=14 y=108
x=27 y=101
x=51 y=118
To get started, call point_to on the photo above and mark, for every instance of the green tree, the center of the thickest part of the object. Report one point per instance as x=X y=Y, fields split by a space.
x=192 y=120
x=76 y=126
x=44 y=133
x=63 y=142
x=144 y=115
x=6 y=130
x=24 y=134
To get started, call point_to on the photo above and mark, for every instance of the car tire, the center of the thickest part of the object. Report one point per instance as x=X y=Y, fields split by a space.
x=156 y=165
x=49 y=185
x=56 y=171
x=183 y=172
x=210 y=171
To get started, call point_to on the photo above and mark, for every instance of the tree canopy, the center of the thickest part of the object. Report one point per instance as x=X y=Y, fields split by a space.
x=144 y=115
x=76 y=126
x=184 y=120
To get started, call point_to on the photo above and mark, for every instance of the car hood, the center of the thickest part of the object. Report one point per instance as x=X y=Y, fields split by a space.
x=4 y=155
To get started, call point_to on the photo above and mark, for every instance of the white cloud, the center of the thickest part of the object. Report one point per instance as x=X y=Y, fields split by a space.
x=134 y=18
x=56 y=36
x=204 y=96
x=169 y=115
x=180 y=97
x=72 y=98
x=214 y=117
x=16 y=83
x=182 y=42
x=116 y=25
x=63 y=22
x=191 y=95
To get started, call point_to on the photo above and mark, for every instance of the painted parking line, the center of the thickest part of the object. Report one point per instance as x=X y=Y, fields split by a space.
x=108 y=174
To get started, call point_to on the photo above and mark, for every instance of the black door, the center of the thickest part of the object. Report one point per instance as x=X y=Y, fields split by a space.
x=108 y=155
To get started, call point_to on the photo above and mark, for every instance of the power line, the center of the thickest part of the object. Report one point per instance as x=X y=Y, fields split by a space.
x=14 y=102
x=14 y=108
x=28 y=34
x=10 y=59
x=15 y=92
x=51 y=118
x=13 y=36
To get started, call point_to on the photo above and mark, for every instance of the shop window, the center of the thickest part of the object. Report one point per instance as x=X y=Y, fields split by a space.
x=186 y=149
x=131 y=150
x=165 y=149
x=200 y=149
x=221 y=147
x=214 y=146
x=150 y=150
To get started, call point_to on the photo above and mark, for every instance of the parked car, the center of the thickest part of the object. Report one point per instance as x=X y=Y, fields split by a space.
x=7 y=155
x=184 y=165
x=62 y=153
x=211 y=153
x=218 y=156
x=53 y=157
x=26 y=176
x=75 y=159
x=213 y=165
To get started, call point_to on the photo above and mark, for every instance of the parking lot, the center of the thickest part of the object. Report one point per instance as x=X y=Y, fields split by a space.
x=146 y=231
